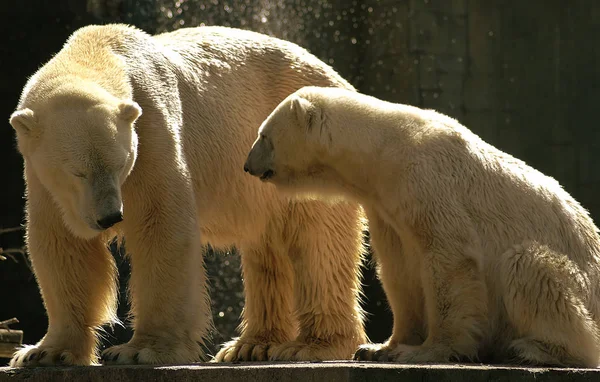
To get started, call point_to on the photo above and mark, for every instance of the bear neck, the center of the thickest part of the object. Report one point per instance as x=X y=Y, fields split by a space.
x=360 y=154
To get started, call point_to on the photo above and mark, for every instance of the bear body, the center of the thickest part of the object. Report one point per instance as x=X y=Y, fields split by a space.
x=144 y=137
x=480 y=255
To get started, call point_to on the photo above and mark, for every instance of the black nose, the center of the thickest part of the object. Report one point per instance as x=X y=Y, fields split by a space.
x=246 y=168
x=110 y=220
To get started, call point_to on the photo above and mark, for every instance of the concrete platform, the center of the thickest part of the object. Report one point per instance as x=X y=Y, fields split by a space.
x=305 y=372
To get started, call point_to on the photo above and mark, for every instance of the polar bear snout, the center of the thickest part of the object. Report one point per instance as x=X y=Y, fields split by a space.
x=108 y=213
x=106 y=201
x=258 y=164
x=262 y=172
x=110 y=220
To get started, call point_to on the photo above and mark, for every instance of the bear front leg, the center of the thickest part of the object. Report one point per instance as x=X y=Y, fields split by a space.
x=455 y=298
x=168 y=291
x=267 y=318
x=399 y=274
x=326 y=251
x=77 y=283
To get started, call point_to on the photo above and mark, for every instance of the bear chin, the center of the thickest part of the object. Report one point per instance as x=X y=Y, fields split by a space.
x=80 y=227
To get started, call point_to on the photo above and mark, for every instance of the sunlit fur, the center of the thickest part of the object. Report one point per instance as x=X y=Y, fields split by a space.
x=480 y=255
x=177 y=169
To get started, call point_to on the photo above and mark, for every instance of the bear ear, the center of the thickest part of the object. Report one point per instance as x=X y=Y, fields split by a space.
x=23 y=121
x=129 y=111
x=306 y=112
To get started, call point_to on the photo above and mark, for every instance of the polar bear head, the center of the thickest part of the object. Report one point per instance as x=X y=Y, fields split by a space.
x=288 y=144
x=81 y=146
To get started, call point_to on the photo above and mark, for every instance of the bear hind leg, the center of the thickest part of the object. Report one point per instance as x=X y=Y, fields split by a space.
x=325 y=250
x=267 y=318
x=543 y=297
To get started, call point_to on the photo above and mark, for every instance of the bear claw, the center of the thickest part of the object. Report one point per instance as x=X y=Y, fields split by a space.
x=243 y=351
x=372 y=352
x=264 y=354
x=363 y=354
x=104 y=357
x=381 y=355
x=32 y=356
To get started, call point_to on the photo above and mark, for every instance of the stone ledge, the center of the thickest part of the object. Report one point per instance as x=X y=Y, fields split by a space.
x=317 y=371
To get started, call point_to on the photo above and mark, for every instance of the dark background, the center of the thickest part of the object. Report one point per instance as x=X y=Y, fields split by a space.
x=524 y=75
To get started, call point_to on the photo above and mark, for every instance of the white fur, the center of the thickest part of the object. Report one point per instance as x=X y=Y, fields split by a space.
x=480 y=255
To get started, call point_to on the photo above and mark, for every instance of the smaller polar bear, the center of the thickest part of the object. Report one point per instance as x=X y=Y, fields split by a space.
x=481 y=256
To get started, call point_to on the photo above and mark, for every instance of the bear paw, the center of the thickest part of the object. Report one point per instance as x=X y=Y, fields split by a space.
x=42 y=355
x=529 y=351
x=153 y=351
x=315 y=350
x=244 y=349
x=373 y=352
x=420 y=354
x=403 y=353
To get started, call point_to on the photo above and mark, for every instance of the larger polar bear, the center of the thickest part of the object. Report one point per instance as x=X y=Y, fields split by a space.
x=154 y=131
x=480 y=255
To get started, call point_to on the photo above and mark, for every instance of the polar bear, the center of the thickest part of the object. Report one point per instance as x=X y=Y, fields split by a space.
x=480 y=255
x=124 y=134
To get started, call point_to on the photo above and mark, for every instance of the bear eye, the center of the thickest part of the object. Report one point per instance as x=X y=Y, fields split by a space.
x=80 y=175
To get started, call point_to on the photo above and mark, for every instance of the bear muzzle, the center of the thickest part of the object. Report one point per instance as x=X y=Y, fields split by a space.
x=106 y=201
x=263 y=174
x=110 y=220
